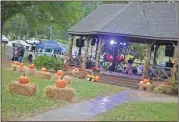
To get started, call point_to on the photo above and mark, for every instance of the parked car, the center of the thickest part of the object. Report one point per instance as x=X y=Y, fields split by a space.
x=33 y=41
x=4 y=39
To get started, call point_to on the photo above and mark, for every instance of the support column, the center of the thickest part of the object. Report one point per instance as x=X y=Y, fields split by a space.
x=99 y=51
x=156 y=48
x=174 y=70
x=147 y=61
x=87 y=40
x=69 y=51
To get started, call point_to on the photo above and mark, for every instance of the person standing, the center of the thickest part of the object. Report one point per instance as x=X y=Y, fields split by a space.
x=21 y=54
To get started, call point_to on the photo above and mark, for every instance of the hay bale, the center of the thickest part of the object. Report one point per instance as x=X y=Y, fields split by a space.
x=56 y=77
x=23 y=89
x=32 y=71
x=147 y=87
x=60 y=93
x=68 y=79
x=45 y=75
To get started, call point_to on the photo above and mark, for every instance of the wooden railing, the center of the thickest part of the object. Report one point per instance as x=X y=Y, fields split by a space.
x=76 y=60
x=160 y=73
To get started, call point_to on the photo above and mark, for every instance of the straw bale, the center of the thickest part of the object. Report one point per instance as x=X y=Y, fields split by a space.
x=60 y=93
x=56 y=77
x=45 y=75
x=68 y=79
x=31 y=71
x=23 y=89
x=148 y=87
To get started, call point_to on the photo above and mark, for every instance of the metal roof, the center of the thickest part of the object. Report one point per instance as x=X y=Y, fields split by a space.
x=146 y=20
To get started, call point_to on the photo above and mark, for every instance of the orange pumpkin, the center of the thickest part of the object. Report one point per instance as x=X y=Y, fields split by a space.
x=43 y=69
x=16 y=62
x=146 y=80
x=31 y=66
x=61 y=83
x=23 y=79
x=60 y=73
x=88 y=75
x=97 y=78
x=21 y=64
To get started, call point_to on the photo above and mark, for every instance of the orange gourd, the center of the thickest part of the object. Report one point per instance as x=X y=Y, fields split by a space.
x=23 y=79
x=146 y=80
x=21 y=64
x=60 y=73
x=97 y=78
x=61 y=83
x=43 y=69
x=31 y=66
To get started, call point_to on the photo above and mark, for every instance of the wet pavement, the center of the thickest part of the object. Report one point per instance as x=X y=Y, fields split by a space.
x=84 y=110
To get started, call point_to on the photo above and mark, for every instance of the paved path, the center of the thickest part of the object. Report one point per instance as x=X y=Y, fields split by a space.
x=84 y=110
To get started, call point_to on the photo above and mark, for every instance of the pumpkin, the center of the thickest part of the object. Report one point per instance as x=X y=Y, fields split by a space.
x=87 y=78
x=148 y=83
x=21 y=64
x=88 y=75
x=92 y=79
x=16 y=62
x=141 y=82
x=23 y=79
x=97 y=78
x=146 y=80
x=61 y=83
x=60 y=73
x=31 y=66
x=43 y=69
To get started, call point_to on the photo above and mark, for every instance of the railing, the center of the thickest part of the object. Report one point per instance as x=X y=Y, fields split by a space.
x=76 y=60
x=160 y=73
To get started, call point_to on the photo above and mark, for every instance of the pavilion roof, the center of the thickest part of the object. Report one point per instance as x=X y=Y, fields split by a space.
x=139 y=20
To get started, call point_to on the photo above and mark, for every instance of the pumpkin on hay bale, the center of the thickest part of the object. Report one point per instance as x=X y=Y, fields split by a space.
x=147 y=87
x=60 y=93
x=23 y=89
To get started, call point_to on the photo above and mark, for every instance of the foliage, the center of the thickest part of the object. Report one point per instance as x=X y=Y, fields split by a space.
x=43 y=61
x=48 y=62
x=150 y=111
x=42 y=14
x=15 y=106
x=57 y=64
x=62 y=41
x=139 y=49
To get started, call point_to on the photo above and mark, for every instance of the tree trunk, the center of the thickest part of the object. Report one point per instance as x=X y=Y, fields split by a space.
x=86 y=53
x=155 y=54
x=147 y=62
x=99 y=52
x=69 y=51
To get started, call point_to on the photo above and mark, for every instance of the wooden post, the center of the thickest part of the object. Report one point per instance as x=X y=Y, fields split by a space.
x=177 y=22
x=147 y=60
x=99 y=51
x=69 y=51
x=96 y=48
x=87 y=40
x=155 y=54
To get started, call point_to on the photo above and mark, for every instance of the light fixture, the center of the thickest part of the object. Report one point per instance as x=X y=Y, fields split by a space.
x=112 y=42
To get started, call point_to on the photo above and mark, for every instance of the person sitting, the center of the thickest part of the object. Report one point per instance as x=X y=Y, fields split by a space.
x=128 y=70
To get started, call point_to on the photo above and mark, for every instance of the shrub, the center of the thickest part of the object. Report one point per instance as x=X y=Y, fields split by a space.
x=48 y=62
x=165 y=89
x=43 y=61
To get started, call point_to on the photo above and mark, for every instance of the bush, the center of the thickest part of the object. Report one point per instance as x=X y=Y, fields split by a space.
x=165 y=89
x=48 y=62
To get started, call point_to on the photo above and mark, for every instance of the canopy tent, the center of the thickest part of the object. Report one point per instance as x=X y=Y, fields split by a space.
x=51 y=44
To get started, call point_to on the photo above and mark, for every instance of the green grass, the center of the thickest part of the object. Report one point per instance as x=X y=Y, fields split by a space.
x=15 y=106
x=141 y=112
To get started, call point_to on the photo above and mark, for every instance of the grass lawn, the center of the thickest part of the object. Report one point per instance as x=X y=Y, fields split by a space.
x=141 y=112
x=16 y=106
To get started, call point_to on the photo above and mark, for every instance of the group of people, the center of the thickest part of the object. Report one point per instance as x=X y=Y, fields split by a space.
x=18 y=53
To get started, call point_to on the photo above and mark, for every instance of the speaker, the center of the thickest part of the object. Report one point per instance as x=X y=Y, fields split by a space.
x=169 y=51
x=93 y=41
x=79 y=43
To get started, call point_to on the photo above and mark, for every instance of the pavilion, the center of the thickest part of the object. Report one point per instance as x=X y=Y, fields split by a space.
x=150 y=23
